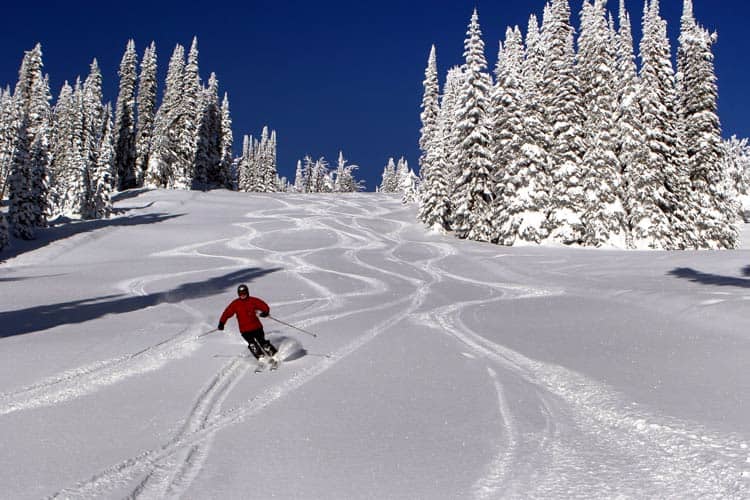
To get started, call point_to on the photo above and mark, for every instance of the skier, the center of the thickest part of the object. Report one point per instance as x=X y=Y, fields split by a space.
x=246 y=309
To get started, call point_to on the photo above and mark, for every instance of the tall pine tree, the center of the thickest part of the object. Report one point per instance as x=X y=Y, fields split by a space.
x=100 y=203
x=631 y=136
x=146 y=103
x=164 y=156
x=560 y=91
x=28 y=195
x=604 y=216
x=511 y=182
x=473 y=196
x=701 y=135
x=661 y=224
x=445 y=168
x=433 y=189
x=208 y=152
x=7 y=137
x=124 y=131
x=227 y=139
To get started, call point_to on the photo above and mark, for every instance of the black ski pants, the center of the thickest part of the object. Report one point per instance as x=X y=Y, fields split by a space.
x=258 y=344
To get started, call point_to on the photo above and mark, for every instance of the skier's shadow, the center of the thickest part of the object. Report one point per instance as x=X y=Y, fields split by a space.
x=712 y=279
x=36 y=319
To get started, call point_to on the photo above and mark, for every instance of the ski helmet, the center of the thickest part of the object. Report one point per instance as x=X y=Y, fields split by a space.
x=242 y=290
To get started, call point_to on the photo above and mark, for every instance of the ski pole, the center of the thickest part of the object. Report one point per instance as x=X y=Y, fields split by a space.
x=292 y=326
x=206 y=333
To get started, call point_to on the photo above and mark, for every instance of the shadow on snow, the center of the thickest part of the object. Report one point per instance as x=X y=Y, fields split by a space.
x=712 y=279
x=48 y=235
x=38 y=318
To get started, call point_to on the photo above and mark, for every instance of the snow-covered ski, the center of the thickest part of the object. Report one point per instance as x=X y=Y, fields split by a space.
x=271 y=365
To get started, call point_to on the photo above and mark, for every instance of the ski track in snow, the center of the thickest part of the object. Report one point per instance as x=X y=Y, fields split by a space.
x=491 y=484
x=84 y=380
x=660 y=454
x=628 y=451
x=170 y=469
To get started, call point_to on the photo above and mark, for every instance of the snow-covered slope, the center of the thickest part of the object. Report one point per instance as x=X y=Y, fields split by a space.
x=442 y=368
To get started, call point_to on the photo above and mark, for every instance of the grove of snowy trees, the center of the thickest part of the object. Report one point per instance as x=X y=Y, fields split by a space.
x=69 y=158
x=318 y=176
x=577 y=144
x=400 y=179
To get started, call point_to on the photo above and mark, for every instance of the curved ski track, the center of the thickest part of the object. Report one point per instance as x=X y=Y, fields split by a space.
x=584 y=441
x=591 y=444
x=168 y=470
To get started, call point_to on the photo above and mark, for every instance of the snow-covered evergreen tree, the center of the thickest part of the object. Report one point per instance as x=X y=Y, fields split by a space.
x=124 y=131
x=631 y=136
x=446 y=156
x=146 y=103
x=508 y=132
x=271 y=178
x=21 y=209
x=209 y=148
x=8 y=126
x=63 y=147
x=93 y=114
x=257 y=166
x=604 y=217
x=344 y=180
x=561 y=92
x=4 y=233
x=527 y=184
x=186 y=171
x=321 y=180
x=429 y=142
x=227 y=139
x=434 y=196
x=473 y=195
x=100 y=204
x=408 y=182
x=389 y=178
x=736 y=160
x=299 y=178
x=28 y=195
x=92 y=129
x=164 y=155
x=663 y=222
x=243 y=165
x=39 y=156
x=259 y=162
x=714 y=212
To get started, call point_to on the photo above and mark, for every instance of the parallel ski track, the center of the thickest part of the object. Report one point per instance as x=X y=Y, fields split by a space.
x=170 y=468
x=626 y=451
x=634 y=451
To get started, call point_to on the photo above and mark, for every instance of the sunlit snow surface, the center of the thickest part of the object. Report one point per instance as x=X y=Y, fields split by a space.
x=442 y=368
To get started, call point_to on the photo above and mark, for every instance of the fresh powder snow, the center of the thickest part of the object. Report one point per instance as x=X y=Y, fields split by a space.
x=441 y=369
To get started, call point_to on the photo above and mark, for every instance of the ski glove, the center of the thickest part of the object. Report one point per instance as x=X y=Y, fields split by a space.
x=263 y=314
x=221 y=326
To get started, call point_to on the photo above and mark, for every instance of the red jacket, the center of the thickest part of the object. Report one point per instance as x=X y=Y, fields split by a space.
x=245 y=309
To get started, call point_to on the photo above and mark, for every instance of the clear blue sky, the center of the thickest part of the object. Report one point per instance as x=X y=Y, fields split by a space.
x=327 y=75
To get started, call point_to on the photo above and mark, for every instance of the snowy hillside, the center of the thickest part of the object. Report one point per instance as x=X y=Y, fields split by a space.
x=442 y=369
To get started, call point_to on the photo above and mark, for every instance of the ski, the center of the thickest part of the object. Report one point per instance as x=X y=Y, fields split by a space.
x=260 y=367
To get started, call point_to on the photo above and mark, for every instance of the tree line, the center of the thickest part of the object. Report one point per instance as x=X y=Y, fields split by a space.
x=70 y=157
